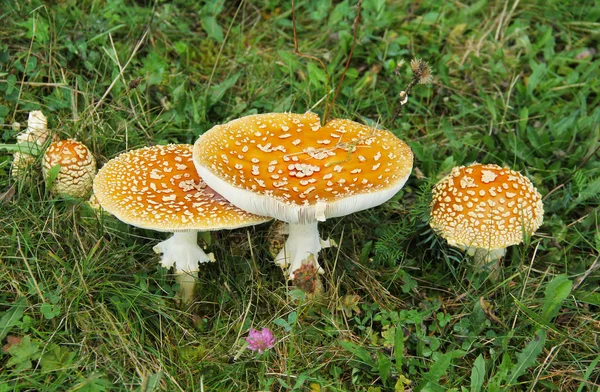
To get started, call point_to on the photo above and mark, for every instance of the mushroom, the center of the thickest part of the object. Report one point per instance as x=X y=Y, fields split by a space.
x=483 y=209
x=157 y=188
x=36 y=132
x=77 y=168
x=290 y=167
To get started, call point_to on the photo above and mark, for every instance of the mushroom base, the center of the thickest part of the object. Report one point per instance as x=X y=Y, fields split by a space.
x=303 y=241
x=182 y=252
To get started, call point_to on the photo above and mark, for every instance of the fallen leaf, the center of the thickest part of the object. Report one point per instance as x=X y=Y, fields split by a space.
x=5 y=197
x=418 y=173
x=489 y=312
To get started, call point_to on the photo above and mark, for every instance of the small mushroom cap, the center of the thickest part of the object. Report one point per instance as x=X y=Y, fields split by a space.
x=485 y=206
x=300 y=170
x=77 y=167
x=158 y=188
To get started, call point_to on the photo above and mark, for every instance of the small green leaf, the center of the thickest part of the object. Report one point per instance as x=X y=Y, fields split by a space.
x=212 y=28
x=94 y=383
x=359 y=352
x=440 y=366
x=319 y=9
x=37 y=27
x=592 y=189
x=384 y=365
x=217 y=91
x=340 y=11
x=364 y=253
x=282 y=323
x=206 y=237
x=50 y=311
x=556 y=292
x=495 y=383
x=316 y=74
x=587 y=297
x=51 y=176
x=539 y=71
x=213 y=7
x=292 y=317
x=56 y=357
x=528 y=357
x=478 y=374
x=11 y=317
x=23 y=354
x=399 y=348
x=523 y=117
x=31 y=64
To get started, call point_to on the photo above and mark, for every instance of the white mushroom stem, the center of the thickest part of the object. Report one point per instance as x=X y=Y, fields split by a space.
x=302 y=242
x=183 y=252
x=487 y=259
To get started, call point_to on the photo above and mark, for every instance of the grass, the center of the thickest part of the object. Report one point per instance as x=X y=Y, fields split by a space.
x=85 y=306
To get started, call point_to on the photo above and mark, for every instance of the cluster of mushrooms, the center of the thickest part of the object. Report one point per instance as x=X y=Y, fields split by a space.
x=290 y=167
x=75 y=163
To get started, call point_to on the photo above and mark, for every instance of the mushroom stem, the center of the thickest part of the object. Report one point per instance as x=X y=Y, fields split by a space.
x=487 y=259
x=187 y=283
x=303 y=241
x=183 y=252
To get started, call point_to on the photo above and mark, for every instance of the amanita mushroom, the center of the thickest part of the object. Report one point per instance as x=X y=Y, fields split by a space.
x=287 y=166
x=77 y=168
x=36 y=132
x=483 y=209
x=157 y=188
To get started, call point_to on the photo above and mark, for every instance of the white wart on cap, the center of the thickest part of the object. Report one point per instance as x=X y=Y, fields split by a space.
x=77 y=168
x=158 y=188
x=485 y=208
x=290 y=167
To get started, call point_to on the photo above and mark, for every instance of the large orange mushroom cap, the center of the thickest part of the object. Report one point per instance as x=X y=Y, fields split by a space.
x=338 y=168
x=485 y=207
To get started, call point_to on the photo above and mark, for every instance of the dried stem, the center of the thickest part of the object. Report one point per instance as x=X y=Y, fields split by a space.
x=329 y=104
x=354 y=34
x=308 y=56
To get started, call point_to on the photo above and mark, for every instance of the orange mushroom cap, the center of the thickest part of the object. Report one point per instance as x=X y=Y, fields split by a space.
x=77 y=167
x=158 y=188
x=290 y=167
x=486 y=207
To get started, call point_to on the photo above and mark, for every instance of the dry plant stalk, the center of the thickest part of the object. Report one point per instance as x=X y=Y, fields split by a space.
x=328 y=104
